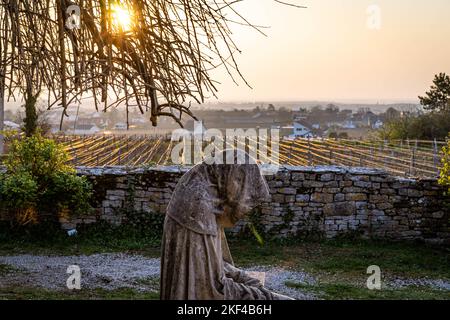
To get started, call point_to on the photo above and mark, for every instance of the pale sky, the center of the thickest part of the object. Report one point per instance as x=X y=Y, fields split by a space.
x=328 y=52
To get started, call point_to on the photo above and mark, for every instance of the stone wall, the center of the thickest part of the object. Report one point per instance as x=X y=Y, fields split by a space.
x=306 y=202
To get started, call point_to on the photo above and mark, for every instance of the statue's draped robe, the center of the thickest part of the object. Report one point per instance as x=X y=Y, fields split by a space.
x=196 y=263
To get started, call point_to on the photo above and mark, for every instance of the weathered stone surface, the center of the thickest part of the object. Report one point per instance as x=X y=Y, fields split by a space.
x=413 y=193
x=298 y=176
x=278 y=198
x=339 y=209
x=362 y=184
x=361 y=205
x=312 y=184
x=356 y=197
x=331 y=190
x=438 y=214
x=322 y=197
x=302 y=197
x=327 y=177
x=288 y=191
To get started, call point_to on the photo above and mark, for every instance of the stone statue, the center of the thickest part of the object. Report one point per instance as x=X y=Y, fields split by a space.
x=196 y=263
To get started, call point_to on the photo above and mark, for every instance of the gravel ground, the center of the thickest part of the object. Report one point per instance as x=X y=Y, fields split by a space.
x=108 y=271
x=434 y=283
x=113 y=271
x=277 y=277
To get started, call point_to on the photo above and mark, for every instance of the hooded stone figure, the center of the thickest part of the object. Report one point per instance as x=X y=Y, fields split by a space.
x=196 y=263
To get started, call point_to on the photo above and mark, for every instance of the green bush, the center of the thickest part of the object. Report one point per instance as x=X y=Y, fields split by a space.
x=69 y=191
x=39 y=184
x=425 y=127
x=39 y=156
x=18 y=190
x=445 y=170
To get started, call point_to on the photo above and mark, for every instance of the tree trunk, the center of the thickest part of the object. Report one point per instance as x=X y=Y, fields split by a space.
x=3 y=55
x=2 y=115
x=30 y=116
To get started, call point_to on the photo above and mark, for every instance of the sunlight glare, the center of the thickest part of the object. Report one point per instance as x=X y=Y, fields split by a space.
x=121 y=18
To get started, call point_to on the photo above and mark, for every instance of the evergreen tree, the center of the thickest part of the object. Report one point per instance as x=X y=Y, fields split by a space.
x=438 y=98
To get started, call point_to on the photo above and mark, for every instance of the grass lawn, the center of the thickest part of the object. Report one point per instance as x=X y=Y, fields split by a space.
x=339 y=267
x=29 y=293
x=347 y=290
x=348 y=259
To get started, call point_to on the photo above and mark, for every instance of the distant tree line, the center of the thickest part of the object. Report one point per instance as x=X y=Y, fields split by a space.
x=431 y=123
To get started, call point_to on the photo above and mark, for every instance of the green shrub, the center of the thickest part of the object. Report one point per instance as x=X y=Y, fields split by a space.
x=410 y=126
x=69 y=191
x=445 y=170
x=39 y=156
x=39 y=184
x=18 y=190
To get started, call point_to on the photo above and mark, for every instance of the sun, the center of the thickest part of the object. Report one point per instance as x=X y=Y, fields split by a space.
x=121 y=18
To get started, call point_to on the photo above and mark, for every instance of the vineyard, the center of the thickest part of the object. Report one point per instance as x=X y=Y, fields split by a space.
x=404 y=158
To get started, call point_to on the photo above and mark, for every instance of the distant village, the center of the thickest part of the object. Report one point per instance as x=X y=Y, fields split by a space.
x=318 y=121
x=328 y=120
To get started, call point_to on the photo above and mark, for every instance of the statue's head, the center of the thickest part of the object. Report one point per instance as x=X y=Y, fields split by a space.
x=218 y=192
x=240 y=186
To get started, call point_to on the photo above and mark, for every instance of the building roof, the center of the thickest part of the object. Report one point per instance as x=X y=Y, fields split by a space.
x=86 y=127
x=304 y=123
x=11 y=124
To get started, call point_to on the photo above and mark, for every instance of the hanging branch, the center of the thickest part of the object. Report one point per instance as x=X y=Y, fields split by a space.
x=159 y=63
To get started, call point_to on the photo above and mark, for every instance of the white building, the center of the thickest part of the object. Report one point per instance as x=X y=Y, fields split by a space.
x=9 y=125
x=301 y=130
x=348 y=125
x=120 y=126
x=378 y=124
x=85 y=129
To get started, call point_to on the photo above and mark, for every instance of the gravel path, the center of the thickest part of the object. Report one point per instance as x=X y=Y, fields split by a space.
x=112 y=271
x=108 y=271
x=276 y=278
x=433 y=283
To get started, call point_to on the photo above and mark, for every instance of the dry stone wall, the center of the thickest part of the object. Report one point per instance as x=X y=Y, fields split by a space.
x=322 y=202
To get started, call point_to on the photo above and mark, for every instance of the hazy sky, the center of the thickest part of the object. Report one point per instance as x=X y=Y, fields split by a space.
x=328 y=51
